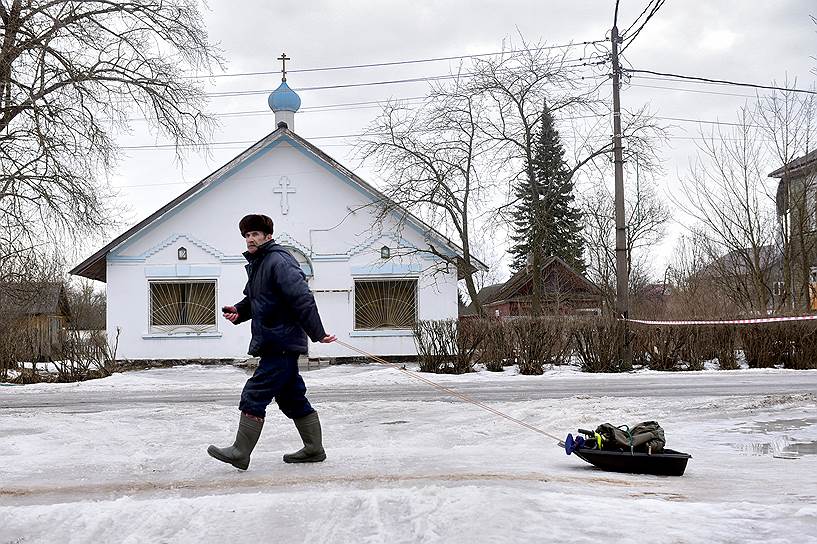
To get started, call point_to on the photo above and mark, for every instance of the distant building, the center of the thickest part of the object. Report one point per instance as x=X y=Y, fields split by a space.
x=796 y=200
x=565 y=292
x=40 y=314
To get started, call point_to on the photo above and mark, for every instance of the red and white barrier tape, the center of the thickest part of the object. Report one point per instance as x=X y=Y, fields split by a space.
x=726 y=321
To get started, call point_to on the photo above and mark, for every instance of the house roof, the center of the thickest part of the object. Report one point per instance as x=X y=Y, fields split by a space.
x=42 y=298
x=522 y=277
x=735 y=262
x=94 y=267
x=500 y=292
x=797 y=166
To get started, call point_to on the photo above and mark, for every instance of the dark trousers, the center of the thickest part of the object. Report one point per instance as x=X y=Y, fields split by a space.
x=276 y=377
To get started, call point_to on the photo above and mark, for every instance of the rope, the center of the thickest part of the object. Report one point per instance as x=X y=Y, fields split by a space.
x=626 y=430
x=723 y=321
x=450 y=391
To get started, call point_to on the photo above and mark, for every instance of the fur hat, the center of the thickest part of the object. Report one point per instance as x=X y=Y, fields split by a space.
x=251 y=222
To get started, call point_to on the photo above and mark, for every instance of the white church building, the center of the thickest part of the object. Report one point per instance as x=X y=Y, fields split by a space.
x=168 y=276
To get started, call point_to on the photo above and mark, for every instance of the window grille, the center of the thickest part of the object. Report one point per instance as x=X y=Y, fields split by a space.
x=385 y=304
x=183 y=306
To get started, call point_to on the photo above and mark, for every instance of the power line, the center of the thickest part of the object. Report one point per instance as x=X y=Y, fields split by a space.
x=722 y=81
x=157 y=147
x=629 y=28
x=396 y=62
x=340 y=106
x=441 y=77
x=653 y=11
x=689 y=90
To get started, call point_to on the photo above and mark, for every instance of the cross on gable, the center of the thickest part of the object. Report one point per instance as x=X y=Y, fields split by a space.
x=283 y=58
x=285 y=187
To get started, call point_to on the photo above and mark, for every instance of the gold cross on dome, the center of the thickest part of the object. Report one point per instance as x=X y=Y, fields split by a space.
x=283 y=58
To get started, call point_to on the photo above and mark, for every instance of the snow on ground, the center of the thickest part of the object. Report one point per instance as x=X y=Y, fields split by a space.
x=399 y=471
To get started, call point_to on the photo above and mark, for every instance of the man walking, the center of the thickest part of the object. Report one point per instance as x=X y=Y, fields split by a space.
x=283 y=312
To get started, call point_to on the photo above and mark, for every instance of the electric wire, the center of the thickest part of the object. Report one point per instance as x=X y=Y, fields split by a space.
x=397 y=62
x=722 y=81
x=658 y=5
x=570 y=63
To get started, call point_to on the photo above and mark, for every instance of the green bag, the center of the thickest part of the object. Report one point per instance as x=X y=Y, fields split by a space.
x=647 y=436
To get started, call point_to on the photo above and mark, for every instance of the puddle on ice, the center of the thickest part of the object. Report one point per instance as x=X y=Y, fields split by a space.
x=779 y=438
x=779 y=425
x=790 y=450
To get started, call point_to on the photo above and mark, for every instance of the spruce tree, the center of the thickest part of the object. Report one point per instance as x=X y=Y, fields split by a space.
x=547 y=217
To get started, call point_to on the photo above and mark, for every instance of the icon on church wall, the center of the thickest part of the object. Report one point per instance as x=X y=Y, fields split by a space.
x=182 y=253
x=385 y=252
x=285 y=188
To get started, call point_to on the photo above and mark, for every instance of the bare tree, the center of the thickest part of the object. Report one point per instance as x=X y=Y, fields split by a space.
x=726 y=193
x=517 y=85
x=448 y=160
x=646 y=219
x=433 y=161
x=697 y=290
x=786 y=120
x=87 y=305
x=71 y=74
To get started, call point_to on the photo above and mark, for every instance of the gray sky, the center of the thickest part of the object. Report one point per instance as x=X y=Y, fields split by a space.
x=751 y=40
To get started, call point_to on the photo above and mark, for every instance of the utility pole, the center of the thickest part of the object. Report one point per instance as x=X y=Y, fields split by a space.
x=622 y=283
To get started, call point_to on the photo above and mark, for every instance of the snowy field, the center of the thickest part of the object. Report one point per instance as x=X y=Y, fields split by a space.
x=126 y=468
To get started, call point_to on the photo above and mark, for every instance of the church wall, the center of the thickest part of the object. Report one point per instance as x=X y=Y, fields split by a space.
x=322 y=218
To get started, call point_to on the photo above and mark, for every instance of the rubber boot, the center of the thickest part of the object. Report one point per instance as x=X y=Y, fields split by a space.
x=238 y=455
x=309 y=427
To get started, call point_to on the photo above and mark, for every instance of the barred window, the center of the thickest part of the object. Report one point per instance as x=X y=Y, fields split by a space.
x=385 y=304
x=182 y=306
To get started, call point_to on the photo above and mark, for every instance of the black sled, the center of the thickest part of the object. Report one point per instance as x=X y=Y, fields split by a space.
x=613 y=449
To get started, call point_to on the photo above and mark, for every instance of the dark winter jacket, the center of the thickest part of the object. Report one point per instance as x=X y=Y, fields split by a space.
x=278 y=300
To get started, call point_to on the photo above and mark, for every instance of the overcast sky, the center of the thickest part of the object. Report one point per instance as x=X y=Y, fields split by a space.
x=744 y=40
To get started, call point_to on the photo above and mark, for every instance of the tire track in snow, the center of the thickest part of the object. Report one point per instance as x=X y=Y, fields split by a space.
x=48 y=494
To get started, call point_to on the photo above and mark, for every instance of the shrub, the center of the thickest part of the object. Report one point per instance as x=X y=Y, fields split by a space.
x=597 y=343
x=803 y=346
x=446 y=346
x=763 y=346
x=497 y=346
x=665 y=345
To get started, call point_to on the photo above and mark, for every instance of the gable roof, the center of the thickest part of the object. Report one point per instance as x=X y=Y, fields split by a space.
x=796 y=167
x=42 y=298
x=737 y=262
x=94 y=267
x=501 y=292
x=511 y=288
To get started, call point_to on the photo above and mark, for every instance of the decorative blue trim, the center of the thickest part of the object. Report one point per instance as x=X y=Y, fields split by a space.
x=166 y=336
x=123 y=260
x=336 y=257
x=366 y=244
x=207 y=248
x=181 y=271
x=381 y=332
x=285 y=239
x=387 y=269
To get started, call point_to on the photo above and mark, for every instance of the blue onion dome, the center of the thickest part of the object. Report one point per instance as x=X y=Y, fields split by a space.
x=284 y=99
